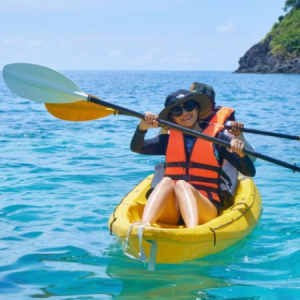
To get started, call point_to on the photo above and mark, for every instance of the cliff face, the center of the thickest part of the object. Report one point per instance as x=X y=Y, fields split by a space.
x=258 y=59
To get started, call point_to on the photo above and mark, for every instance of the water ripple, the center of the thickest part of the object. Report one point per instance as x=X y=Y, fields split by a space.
x=60 y=181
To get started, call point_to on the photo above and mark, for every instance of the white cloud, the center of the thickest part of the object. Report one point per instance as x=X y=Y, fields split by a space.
x=159 y=56
x=23 y=42
x=152 y=53
x=115 y=54
x=40 y=6
x=12 y=41
x=226 y=28
x=14 y=6
x=182 y=57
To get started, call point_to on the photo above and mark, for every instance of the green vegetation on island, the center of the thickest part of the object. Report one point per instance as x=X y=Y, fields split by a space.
x=286 y=33
x=279 y=51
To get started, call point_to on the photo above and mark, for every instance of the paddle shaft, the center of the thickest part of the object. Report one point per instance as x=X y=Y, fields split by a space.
x=268 y=133
x=194 y=133
x=254 y=131
x=83 y=111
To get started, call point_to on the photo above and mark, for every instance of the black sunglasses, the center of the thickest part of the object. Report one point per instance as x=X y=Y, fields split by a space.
x=177 y=111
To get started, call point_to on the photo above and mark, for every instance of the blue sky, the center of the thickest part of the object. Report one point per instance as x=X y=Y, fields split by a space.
x=133 y=34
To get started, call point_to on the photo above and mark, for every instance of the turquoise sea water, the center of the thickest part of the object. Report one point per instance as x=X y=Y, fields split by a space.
x=60 y=181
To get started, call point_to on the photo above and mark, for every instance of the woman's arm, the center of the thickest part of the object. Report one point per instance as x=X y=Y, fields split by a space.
x=243 y=164
x=154 y=146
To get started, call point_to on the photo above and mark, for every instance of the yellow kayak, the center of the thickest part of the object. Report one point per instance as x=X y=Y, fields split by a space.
x=175 y=243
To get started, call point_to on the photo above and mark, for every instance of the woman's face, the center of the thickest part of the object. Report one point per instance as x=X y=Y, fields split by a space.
x=188 y=119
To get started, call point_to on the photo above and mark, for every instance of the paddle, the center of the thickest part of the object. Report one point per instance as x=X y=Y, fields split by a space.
x=79 y=111
x=268 y=133
x=85 y=111
x=42 y=84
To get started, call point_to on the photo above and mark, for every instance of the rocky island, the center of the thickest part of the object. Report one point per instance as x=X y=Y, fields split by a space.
x=279 y=51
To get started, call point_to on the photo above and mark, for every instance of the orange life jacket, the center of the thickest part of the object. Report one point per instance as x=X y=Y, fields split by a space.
x=202 y=169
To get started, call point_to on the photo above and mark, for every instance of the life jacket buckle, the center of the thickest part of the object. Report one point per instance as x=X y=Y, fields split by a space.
x=185 y=177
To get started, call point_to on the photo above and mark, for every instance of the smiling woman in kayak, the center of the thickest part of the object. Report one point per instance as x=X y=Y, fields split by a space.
x=191 y=184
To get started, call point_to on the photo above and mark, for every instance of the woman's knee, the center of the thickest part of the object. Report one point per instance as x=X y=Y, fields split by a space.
x=167 y=182
x=181 y=186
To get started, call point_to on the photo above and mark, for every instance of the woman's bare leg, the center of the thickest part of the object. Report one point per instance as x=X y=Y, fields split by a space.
x=195 y=208
x=162 y=199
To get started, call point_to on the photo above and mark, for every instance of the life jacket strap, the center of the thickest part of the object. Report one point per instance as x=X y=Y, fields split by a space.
x=226 y=177
x=189 y=178
x=188 y=164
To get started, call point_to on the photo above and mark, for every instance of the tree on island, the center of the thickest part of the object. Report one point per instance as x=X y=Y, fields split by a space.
x=291 y=4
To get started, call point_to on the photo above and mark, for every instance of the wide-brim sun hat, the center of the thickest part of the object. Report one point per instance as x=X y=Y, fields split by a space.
x=181 y=96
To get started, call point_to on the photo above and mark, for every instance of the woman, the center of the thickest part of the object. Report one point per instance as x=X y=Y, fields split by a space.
x=191 y=186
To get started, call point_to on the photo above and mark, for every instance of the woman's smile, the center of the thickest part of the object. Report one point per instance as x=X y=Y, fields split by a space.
x=188 y=119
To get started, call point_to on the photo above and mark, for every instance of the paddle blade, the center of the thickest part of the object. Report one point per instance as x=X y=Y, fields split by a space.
x=41 y=84
x=79 y=111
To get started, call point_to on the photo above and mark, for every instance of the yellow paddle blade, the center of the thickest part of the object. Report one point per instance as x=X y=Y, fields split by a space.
x=79 y=111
